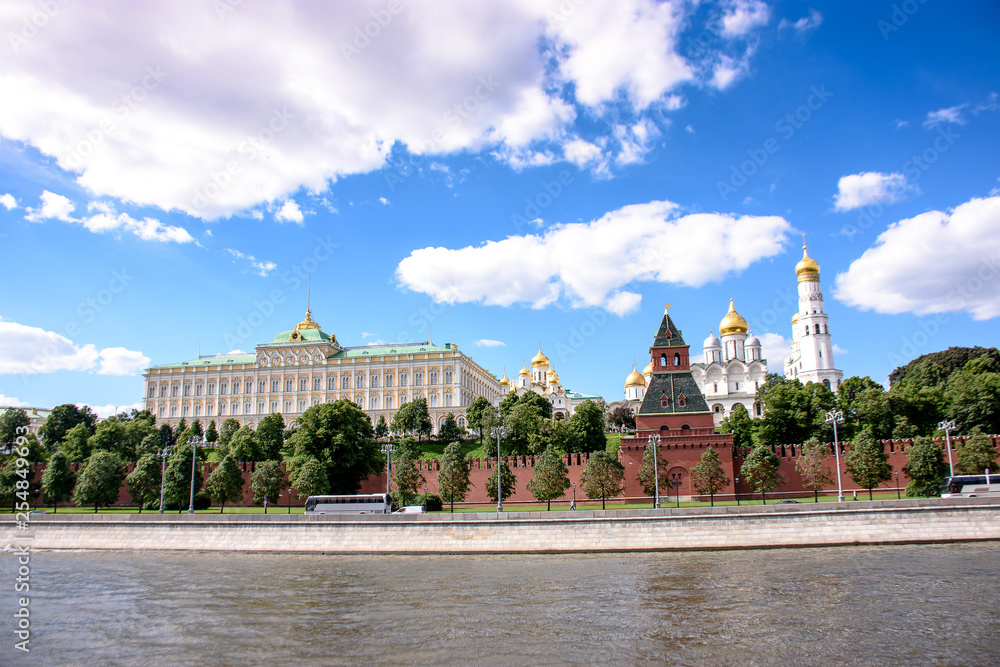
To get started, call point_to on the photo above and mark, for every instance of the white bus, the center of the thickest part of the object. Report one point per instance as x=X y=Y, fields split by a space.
x=970 y=486
x=372 y=503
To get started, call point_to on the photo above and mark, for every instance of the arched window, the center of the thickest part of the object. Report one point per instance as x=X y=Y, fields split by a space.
x=756 y=409
x=433 y=377
x=302 y=384
x=374 y=383
x=187 y=390
x=682 y=401
x=173 y=391
x=434 y=400
x=388 y=402
x=211 y=389
x=826 y=328
x=827 y=383
x=223 y=388
x=403 y=379
x=447 y=377
x=807 y=329
x=817 y=328
x=418 y=379
x=163 y=391
x=447 y=400
x=360 y=384
x=664 y=401
x=388 y=379
x=677 y=359
x=685 y=427
x=288 y=385
x=274 y=386
x=374 y=400
x=663 y=360
x=152 y=391
x=197 y=389
x=317 y=384
x=346 y=383
x=715 y=387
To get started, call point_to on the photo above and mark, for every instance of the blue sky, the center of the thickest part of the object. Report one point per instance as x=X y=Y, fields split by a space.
x=504 y=175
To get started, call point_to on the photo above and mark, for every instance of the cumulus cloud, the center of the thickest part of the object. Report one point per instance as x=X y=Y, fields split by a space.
x=804 y=24
x=742 y=16
x=110 y=410
x=26 y=350
x=486 y=342
x=935 y=262
x=870 y=187
x=950 y=115
x=260 y=267
x=289 y=212
x=590 y=264
x=8 y=201
x=58 y=207
x=165 y=119
x=12 y=402
x=773 y=348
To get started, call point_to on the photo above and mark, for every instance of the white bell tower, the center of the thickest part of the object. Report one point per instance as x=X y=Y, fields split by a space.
x=811 y=356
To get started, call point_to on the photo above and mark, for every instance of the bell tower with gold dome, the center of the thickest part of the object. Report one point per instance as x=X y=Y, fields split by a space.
x=811 y=356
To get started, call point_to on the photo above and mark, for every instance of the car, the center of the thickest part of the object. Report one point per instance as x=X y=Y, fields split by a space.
x=411 y=509
x=787 y=502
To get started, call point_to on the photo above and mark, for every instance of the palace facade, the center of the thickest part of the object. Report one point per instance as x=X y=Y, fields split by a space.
x=306 y=366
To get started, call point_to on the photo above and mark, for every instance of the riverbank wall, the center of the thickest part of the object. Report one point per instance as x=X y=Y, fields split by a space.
x=768 y=526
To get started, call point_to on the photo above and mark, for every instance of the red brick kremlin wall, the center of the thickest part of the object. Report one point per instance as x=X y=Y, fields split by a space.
x=681 y=457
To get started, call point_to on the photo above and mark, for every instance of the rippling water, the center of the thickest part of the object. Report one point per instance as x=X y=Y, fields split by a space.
x=859 y=605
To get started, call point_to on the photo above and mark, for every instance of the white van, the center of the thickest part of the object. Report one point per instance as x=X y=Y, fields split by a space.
x=411 y=509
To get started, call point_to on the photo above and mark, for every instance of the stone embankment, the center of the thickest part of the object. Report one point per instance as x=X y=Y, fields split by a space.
x=803 y=525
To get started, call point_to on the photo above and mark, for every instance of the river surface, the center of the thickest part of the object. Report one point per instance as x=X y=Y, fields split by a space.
x=892 y=605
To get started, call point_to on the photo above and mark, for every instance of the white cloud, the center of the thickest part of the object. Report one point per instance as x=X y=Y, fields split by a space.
x=773 y=348
x=110 y=410
x=165 y=118
x=590 y=263
x=383 y=201
x=839 y=350
x=635 y=141
x=486 y=342
x=27 y=350
x=743 y=16
x=582 y=153
x=935 y=262
x=804 y=24
x=12 y=402
x=689 y=129
x=8 y=201
x=870 y=187
x=261 y=268
x=119 y=361
x=289 y=212
x=949 y=115
x=58 y=207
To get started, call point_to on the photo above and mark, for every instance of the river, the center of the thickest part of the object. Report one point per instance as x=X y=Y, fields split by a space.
x=934 y=604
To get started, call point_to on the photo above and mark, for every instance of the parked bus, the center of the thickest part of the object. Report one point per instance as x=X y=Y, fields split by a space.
x=970 y=486
x=372 y=503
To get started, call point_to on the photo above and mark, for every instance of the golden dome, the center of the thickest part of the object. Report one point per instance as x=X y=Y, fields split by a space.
x=307 y=323
x=648 y=370
x=524 y=372
x=733 y=323
x=553 y=377
x=504 y=382
x=807 y=266
x=540 y=359
x=513 y=389
x=634 y=379
x=795 y=318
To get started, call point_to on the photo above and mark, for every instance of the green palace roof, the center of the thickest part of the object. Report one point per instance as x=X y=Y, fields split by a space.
x=362 y=351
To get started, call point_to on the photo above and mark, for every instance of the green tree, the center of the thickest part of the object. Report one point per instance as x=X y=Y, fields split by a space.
x=100 y=480
x=267 y=481
x=873 y=410
x=381 y=428
x=925 y=467
x=543 y=404
x=738 y=423
x=413 y=417
x=559 y=434
x=588 y=422
x=811 y=465
x=309 y=478
x=708 y=476
x=211 y=434
x=476 y=413
x=339 y=436
x=197 y=429
x=61 y=420
x=976 y=455
x=450 y=430
x=646 y=472
x=244 y=446
x=523 y=422
x=551 y=477
x=848 y=392
x=793 y=412
x=58 y=481
x=622 y=418
x=453 y=479
x=229 y=427
x=166 y=436
x=36 y=452
x=603 y=477
x=177 y=483
x=973 y=398
x=76 y=444
x=13 y=423
x=137 y=431
x=271 y=436
x=225 y=484
x=109 y=436
x=144 y=480
x=761 y=471
x=867 y=462
x=507 y=480
x=407 y=477
x=149 y=445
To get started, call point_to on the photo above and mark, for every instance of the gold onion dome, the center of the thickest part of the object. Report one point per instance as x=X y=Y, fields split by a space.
x=553 y=377
x=733 y=323
x=504 y=382
x=634 y=379
x=648 y=370
x=524 y=372
x=540 y=359
x=807 y=265
x=795 y=318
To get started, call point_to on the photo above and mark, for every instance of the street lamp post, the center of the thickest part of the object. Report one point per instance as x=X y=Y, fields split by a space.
x=737 y=488
x=675 y=478
x=499 y=431
x=289 y=500
x=425 y=497
x=897 y=485
x=836 y=417
x=654 y=440
x=163 y=454
x=574 y=495
x=194 y=442
x=387 y=449
x=948 y=427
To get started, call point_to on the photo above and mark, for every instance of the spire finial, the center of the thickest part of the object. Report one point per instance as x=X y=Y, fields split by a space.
x=666 y=309
x=309 y=290
x=803 y=241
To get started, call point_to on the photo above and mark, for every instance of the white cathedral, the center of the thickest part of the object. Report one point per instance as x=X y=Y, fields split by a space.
x=543 y=380
x=733 y=369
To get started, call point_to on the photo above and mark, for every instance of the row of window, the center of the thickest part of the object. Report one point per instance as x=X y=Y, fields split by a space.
x=303 y=384
x=373 y=404
x=826 y=329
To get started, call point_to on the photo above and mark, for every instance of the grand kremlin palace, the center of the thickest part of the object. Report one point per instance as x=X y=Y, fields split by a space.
x=307 y=366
